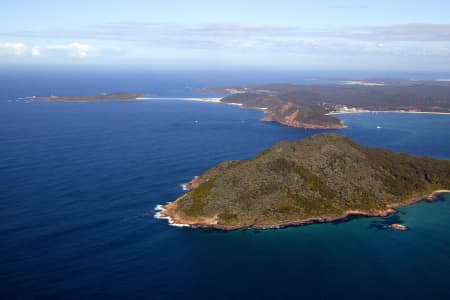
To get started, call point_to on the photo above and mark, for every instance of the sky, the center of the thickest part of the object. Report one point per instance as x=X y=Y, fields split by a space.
x=283 y=34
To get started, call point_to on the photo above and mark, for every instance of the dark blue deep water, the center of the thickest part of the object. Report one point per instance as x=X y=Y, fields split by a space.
x=79 y=182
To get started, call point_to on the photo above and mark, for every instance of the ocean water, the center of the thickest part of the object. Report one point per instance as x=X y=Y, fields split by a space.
x=79 y=183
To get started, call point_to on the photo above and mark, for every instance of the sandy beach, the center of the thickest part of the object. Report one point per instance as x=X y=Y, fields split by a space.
x=388 y=111
x=214 y=100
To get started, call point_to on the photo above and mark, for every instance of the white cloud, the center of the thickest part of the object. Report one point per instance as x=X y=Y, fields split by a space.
x=72 y=49
x=401 y=44
x=80 y=50
x=35 y=51
x=151 y=32
x=12 y=48
x=395 y=40
x=400 y=39
x=76 y=49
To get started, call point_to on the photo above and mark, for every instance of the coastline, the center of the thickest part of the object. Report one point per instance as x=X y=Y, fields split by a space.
x=298 y=124
x=295 y=124
x=213 y=100
x=388 y=111
x=210 y=100
x=164 y=212
x=103 y=97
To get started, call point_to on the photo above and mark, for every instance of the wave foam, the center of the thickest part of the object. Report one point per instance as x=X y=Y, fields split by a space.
x=184 y=185
x=159 y=208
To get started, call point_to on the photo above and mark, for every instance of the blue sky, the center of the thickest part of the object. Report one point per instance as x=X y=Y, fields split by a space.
x=353 y=35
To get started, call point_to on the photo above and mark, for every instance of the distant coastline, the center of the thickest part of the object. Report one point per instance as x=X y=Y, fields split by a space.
x=198 y=99
x=389 y=111
x=104 y=97
x=213 y=100
x=316 y=106
x=303 y=106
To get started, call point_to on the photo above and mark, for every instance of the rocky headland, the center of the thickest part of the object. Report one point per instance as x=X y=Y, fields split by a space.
x=323 y=178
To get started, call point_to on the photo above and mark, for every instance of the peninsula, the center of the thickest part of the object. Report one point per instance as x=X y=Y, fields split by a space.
x=314 y=105
x=117 y=96
x=323 y=178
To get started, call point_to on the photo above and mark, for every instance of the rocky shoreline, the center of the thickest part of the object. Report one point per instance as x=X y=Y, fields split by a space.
x=177 y=218
x=297 y=124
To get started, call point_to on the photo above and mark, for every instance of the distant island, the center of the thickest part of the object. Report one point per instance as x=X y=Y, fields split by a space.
x=323 y=178
x=314 y=105
x=117 y=96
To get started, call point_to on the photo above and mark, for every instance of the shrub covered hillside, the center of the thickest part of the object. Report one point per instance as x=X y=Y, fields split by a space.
x=324 y=176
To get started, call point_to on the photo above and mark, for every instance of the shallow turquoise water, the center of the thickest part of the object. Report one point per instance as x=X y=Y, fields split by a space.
x=80 y=181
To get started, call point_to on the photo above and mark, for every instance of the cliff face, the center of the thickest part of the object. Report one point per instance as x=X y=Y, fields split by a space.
x=303 y=116
x=307 y=106
x=325 y=177
x=286 y=112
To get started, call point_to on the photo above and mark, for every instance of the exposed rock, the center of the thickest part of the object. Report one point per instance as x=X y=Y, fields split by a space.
x=398 y=227
x=323 y=178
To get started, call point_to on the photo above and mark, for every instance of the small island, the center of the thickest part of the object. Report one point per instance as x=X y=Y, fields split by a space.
x=323 y=178
x=117 y=96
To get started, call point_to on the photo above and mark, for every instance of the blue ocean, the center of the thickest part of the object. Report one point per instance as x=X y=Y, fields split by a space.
x=80 y=181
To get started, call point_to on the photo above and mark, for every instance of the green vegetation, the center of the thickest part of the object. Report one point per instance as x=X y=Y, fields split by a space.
x=314 y=182
x=307 y=105
x=202 y=191
x=227 y=216
x=118 y=96
x=199 y=196
x=320 y=177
